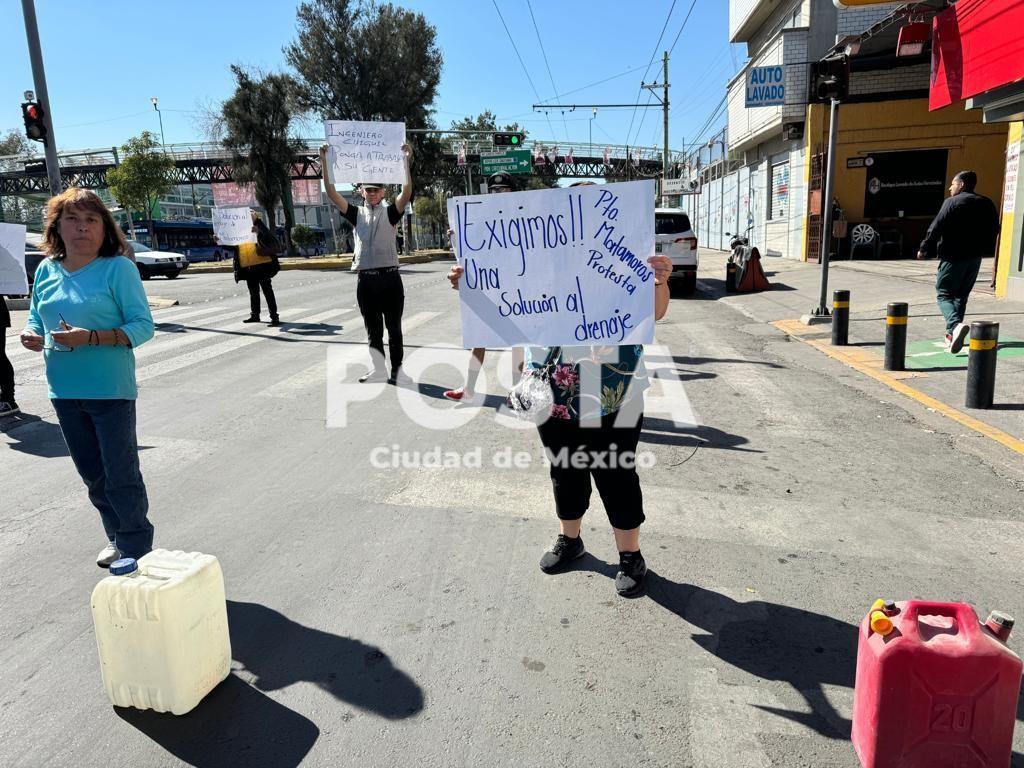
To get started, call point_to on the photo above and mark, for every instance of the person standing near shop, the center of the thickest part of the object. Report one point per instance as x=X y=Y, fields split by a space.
x=379 y=291
x=963 y=232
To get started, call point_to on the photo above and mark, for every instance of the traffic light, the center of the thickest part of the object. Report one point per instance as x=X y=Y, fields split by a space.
x=508 y=139
x=832 y=78
x=32 y=112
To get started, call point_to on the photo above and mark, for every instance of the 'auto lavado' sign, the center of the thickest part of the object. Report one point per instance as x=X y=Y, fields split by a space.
x=766 y=86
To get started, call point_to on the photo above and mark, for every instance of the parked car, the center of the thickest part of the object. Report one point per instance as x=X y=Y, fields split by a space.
x=153 y=263
x=675 y=238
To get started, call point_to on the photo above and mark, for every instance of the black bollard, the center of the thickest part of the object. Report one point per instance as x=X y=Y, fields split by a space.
x=981 y=364
x=896 y=336
x=730 y=276
x=840 y=318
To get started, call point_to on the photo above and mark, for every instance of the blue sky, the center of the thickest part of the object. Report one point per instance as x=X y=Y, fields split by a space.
x=105 y=60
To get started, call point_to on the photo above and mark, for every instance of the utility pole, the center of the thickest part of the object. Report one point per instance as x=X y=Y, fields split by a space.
x=821 y=311
x=39 y=80
x=664 y=106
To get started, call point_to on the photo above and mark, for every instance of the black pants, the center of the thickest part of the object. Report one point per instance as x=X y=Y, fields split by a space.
x=6 y=370
x=619 y=485
x=254 y=296
x=381 y=300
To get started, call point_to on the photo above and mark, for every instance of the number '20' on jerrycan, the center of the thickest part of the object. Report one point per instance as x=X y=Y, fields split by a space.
x=935 y=688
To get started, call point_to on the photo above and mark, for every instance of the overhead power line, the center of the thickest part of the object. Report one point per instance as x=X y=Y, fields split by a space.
x=521 y=62
x=554 y=88
x=664 y=26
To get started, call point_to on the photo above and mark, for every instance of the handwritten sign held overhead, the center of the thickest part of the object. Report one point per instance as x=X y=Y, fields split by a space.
x=233 y=226
x=363 y=152
x=556 y=266
x=13 y=281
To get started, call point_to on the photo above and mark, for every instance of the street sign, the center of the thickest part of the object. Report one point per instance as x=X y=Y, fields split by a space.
x=766 y=86
x=510 y=161
x=674 y=186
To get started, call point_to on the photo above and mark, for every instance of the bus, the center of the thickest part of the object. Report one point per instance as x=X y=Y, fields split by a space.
x=193 y=238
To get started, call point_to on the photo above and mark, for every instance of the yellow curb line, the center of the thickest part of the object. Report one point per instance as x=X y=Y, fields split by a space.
x=856 y=359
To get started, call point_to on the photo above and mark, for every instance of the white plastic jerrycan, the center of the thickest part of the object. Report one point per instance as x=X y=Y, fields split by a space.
x=162 y=630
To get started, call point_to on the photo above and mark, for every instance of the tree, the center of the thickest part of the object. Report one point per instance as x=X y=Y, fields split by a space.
x=257 y=129
x=430 y=209
x=14 y=148
x=303 y=236
x=142 y=176
x=363 y=61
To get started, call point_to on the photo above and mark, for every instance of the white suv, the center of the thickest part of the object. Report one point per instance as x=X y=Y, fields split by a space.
x=152 y=263
x=675 y=238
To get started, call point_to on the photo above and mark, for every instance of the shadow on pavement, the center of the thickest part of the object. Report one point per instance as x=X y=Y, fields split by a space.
x=35 y=437
x=772 y=642
x=280 y=652
x=665 y=432
x=235 y=725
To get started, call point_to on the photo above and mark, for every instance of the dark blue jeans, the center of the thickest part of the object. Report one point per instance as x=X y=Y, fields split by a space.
x=100 y=434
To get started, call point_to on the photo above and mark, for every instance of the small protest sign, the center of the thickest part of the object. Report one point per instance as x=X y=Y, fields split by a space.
x=557 y=266
x=233 y=226
x=362 y=151
x=13 y=281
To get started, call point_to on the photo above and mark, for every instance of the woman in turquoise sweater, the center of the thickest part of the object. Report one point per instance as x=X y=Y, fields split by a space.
x=88 y=313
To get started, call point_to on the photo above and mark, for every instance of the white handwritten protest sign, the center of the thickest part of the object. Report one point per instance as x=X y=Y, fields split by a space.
x=13 y=281
x=366 y=151
x=233 y=226
x=556 y=266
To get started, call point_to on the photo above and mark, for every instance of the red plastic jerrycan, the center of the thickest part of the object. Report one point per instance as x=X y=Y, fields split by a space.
x=937 y=690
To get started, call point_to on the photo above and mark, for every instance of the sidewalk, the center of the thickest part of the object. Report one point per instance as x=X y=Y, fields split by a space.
x=935 y=378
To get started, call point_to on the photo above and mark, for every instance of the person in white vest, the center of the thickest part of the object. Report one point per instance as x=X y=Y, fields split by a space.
x=379 y=292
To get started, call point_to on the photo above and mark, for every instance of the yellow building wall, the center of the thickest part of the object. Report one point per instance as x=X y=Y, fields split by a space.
x=1006 y=236
x=906 y=125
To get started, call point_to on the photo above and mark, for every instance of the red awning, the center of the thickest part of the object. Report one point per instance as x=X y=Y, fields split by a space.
x=977 y=45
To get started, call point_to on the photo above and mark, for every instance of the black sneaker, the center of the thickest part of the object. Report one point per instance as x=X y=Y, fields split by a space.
x=564 y=551
x=629 y=581
x=251 y=319
x=9 y=408
x=372 y=377
x=275 y=322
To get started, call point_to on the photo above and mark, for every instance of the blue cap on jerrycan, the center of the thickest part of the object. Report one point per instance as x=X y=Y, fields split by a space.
x=124 y=566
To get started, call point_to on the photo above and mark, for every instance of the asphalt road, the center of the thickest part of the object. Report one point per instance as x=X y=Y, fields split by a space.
x=395 y=615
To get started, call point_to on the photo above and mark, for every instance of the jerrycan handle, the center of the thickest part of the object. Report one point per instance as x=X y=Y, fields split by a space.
x=966 y=619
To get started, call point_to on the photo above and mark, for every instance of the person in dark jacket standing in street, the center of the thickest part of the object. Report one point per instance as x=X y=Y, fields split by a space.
x=7 y=405
x=379 y=291
x=257 y=263
x=963 y=232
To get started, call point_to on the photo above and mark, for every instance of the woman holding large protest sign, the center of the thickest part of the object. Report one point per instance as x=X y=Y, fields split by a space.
x=593 y=429
x=88 y=313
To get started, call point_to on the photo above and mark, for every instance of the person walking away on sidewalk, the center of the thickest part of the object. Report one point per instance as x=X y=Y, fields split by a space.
x=593 y=430
x=8 y=406
x=379 y=290
x=257 y=264
x=88 y=313
x=963 y=232
x=496 y=183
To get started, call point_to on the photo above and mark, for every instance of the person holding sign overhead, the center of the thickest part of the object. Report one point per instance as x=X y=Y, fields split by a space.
x=592 y=430
x=379 y=292
x=88 y=313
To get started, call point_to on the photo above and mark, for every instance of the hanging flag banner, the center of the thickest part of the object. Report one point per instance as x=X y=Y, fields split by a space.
x=13 y=280
x=569 y=159
x=233 y=226
x=552 y=155
x=462 y=154
x=556 y=266
x=608 y=156
x=366 y=151
x=230 y=195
